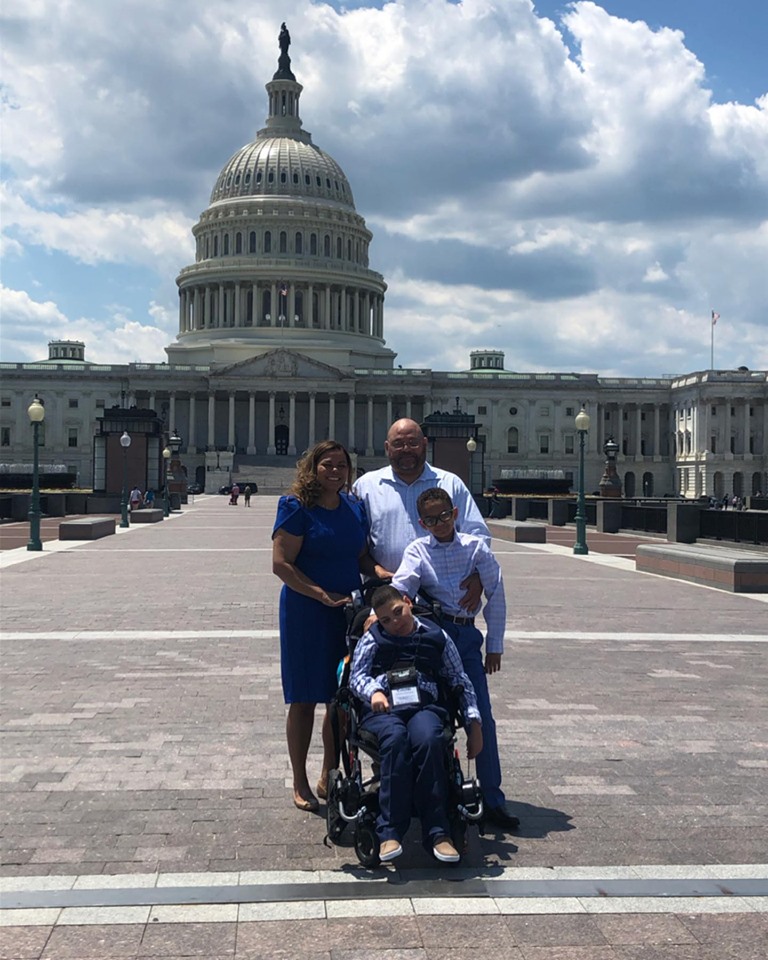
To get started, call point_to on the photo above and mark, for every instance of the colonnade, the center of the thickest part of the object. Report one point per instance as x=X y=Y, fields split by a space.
x=720 y=426
x=240 y=304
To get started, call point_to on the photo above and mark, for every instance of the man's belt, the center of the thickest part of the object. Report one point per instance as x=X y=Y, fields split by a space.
x=461 y=621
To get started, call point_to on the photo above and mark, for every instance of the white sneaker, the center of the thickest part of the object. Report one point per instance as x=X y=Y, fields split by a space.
x=445 y=851
x=389 y=850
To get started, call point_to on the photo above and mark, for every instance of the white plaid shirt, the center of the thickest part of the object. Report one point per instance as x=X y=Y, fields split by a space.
x=439 y=568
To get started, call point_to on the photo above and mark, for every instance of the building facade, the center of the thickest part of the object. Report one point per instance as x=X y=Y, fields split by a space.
x=281 y=344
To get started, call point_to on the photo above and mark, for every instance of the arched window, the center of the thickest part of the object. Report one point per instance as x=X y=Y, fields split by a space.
x=349 y=249
x=252 y=242
x=215 y=246
x=225 y=246
x=207 y=249
x=283 y=242
x=267 y=241
x=513 y=440
x=258 y=176
x=238 y=242
x=326 y=246
x=338 y=248
x=283 y=176
x=313 y=244
x=299 y=243
x=271 y=176
x=295 y=177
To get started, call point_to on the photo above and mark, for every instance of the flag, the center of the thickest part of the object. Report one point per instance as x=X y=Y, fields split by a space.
x=283 y=290
x=715 y=317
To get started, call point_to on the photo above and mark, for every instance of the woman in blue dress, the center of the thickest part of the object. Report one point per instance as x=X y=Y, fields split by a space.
x=318 y=541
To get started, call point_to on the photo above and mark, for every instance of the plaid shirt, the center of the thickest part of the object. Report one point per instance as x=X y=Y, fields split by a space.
x=363 y=684
x=439 y=568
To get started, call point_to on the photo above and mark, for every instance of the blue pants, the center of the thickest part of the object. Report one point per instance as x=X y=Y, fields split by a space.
x=413 y=771
x=469 y=643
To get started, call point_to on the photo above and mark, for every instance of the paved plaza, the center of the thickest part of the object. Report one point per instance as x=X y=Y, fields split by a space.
x=146 y=803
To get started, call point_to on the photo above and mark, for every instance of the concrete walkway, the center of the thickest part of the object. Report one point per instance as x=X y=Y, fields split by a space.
x=146 y=795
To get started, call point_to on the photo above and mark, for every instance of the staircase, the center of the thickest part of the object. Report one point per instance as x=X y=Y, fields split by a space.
x=271 y=479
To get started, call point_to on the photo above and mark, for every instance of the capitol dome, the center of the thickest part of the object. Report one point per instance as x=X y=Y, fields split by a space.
x=281 y=254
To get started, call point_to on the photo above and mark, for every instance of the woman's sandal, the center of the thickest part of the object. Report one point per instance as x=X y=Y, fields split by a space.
x=321 y=789
x=310 y=806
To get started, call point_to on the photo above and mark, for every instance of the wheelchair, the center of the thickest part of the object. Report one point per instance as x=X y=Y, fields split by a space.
x=353 y=797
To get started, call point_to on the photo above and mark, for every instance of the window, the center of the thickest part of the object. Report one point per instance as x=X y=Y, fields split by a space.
x=733 y=444
x=238 y=243
x=733 y=411
x=513 y=411
x=544 y=411
x=283 y=242
x=569 y=443
x=338 y=248
x=569 y=412
x=73 y=403
x=99 y=404
x=5 y=436
x=267 y=241
x=225 y=246
x=713 y=444
x=606 y=415
x=313 y=244
x=326 y=246
x=6 y=402
x=482 y=411
x=543 y=443
x=252 y=242
x=299 y=245
x=713 y=411
x=215 y=246
x=512 y=440
x=72 y=437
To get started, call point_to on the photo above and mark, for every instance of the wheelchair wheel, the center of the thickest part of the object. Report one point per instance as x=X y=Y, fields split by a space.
x=367 y=844
x=334 y=822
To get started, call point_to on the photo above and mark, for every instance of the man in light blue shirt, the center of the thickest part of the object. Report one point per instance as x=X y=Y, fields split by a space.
x=390 y=496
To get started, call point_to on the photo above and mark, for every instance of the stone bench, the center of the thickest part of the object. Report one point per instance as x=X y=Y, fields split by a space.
x=86 y=528
x=519 y=531
x=738 y=571
x=149 y=515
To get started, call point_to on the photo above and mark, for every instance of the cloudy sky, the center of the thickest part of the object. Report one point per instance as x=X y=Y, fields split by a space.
x=578 y=184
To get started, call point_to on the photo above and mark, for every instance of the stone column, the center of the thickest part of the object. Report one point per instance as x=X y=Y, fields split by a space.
x=745 y=446
x=311 y=425
x=639 y=432
x=182 y=304
x=207 y=314
x=171 y=411
x=231 y=423
x=251 y=448
x=657 y=432
x=556 y=444
x=351 y=423
x=309 y=306
x=369 y=432
x=211 y=421
x=237 y=305
x=620 y=431
x=191 y=443
x=197 y=321
x=152 y=401
x=271 y=437
x=221 y=318
x=327 y=311
x=344 y=309
x=332 y=416
x=274 y=310
x=389 y=412
x=292 y=423
x=291 y=305
x=256 y=306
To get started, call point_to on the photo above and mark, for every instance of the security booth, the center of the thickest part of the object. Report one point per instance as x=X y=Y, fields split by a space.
x=138 y=463
x=455 y=445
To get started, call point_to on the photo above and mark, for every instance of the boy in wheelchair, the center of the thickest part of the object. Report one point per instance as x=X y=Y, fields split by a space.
x=398 y=668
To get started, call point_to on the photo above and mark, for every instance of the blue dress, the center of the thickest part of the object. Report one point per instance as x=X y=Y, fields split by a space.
x=312 y=636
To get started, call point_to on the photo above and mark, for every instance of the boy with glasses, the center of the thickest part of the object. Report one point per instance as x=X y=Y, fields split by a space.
x=438 y=564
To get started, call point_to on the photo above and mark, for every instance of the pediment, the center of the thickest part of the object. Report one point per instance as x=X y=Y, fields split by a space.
x=280 y=364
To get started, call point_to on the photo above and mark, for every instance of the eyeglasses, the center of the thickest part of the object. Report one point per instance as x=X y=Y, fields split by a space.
x=412 y=444
x=443 y=517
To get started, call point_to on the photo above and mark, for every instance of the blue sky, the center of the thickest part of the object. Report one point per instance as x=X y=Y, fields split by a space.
x=576 y=184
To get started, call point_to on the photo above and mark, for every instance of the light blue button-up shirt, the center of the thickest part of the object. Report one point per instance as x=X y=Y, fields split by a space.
x=394 y=520
x=439 y=568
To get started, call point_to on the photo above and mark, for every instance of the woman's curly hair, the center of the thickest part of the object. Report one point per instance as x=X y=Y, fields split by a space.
x=306 y=487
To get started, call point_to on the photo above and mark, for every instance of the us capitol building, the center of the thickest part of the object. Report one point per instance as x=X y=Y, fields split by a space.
x=281 y=344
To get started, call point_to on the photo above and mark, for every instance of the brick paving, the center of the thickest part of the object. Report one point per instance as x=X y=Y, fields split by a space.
x=143 y=734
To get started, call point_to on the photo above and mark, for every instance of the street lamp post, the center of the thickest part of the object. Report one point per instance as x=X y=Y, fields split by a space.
x=166 y=501
x=174 y=444
x=36 y=414
x=125 y=442
x=580 y=546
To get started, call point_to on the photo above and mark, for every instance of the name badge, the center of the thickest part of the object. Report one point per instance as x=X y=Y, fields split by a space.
x=405 y=696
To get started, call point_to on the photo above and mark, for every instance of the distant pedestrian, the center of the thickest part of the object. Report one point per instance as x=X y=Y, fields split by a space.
x=247 y=495
x=135 y=498
x=149 y=499
x=234 y=494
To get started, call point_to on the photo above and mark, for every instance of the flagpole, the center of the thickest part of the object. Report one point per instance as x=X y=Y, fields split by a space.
x=712 y=344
